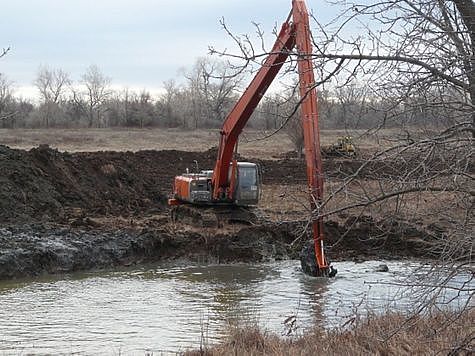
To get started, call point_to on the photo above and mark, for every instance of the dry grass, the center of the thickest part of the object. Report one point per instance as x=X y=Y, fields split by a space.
x=392 y=334
x=290 y=202
x=74 y=140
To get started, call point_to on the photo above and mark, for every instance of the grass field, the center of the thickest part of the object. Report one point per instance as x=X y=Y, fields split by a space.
x=251 y=143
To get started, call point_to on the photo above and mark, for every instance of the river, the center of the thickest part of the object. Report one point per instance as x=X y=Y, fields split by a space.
x=170 y=308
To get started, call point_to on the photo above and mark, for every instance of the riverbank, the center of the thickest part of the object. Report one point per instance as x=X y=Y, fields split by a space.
x=39 y=249
x=392 y=334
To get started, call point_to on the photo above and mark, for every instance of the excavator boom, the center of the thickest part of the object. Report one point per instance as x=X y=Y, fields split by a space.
x=247 y=103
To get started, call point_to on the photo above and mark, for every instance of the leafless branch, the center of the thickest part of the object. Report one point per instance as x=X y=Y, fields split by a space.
x=4 y=52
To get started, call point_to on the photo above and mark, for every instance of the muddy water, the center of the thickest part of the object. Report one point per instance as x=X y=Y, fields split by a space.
x=171 y=308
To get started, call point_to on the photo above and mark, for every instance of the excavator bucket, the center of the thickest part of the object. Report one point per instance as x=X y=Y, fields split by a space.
x=309 y=262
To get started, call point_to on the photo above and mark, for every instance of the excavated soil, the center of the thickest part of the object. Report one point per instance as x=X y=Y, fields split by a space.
x=47 y=185
x=52 y=203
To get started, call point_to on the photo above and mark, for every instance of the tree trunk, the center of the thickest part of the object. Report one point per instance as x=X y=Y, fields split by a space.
x=467 y=11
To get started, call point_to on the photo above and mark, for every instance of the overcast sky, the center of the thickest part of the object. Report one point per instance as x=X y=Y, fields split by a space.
x=138 y=43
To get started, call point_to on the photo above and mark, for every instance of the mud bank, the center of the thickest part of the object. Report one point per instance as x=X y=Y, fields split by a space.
x=32 y=250
x=35 y=250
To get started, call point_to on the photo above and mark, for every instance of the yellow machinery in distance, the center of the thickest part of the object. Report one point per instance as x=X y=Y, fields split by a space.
x=343 y=147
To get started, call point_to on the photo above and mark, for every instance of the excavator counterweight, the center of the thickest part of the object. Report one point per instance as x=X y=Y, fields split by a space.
x=236 y=183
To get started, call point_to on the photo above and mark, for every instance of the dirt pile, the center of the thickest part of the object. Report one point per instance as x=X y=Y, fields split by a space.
x=363 y=237
x=291 y=170
x=46 y=185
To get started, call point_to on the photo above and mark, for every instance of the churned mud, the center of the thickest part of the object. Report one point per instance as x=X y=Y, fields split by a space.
x=62 y=212
x=38 y=249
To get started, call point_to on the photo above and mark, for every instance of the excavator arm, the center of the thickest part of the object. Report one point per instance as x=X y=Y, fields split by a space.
x=295 y=33
x=311 y=130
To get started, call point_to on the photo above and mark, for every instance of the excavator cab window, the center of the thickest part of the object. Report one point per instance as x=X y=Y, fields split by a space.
x=247 y=176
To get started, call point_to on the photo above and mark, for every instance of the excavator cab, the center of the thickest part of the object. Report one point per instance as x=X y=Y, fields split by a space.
x=247 y=184
x=196 y=189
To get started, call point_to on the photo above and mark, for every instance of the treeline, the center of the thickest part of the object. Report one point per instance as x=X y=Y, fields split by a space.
x=207 y=93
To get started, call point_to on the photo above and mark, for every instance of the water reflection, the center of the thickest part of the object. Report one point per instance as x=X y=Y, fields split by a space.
x=314 y=290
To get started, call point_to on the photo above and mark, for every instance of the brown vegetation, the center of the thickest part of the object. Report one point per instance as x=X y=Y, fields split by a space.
x=89 y=140
x=391 y=334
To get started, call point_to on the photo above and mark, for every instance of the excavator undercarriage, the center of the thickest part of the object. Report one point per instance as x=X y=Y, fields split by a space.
x=214 y=216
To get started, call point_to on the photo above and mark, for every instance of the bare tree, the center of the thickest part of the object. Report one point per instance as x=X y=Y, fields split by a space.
x=287 y=111
x=4 y=52
x=138 y=109
x=406 y=49
x=52 y=85
x=5 y=95
x=167 y=105
x=351 y=103
x=269 y=111
x=212 y=90
x=6 y=99
x=145 y=109
x=97 y=91
x=126 y=101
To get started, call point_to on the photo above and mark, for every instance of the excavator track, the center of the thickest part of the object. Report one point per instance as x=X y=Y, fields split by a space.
x=214 y=216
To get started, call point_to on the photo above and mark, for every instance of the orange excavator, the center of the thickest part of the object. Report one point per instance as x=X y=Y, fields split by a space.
x=233 y=183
